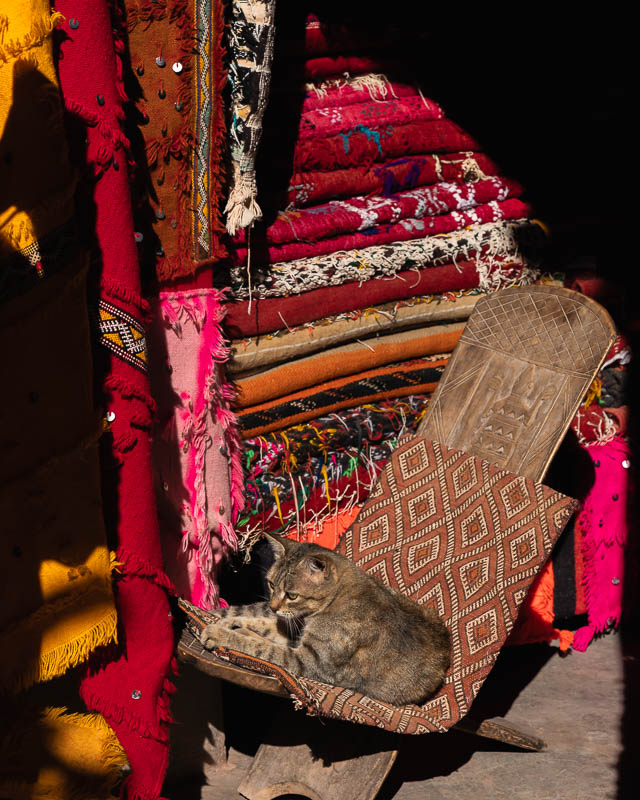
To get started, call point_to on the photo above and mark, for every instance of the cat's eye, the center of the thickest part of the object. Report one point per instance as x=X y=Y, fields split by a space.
x=292 y=595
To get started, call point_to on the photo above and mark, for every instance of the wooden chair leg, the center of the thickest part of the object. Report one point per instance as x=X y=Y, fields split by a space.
x=332 y=764
x=502 y=731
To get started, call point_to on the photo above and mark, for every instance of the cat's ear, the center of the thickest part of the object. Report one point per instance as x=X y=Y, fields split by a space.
x=278 y=544
x=316 y=569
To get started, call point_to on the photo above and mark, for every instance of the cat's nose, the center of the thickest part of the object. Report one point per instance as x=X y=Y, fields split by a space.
x=274 y=605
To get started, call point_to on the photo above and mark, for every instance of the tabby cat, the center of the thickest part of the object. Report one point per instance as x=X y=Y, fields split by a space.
x=327 y=619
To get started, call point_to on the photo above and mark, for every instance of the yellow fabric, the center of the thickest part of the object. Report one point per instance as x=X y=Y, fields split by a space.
x=54 y=755
x=36 y=194
x=56 y=599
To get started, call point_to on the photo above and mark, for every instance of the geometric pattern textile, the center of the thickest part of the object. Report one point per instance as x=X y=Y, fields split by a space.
x=175 y=62
x=122 y=334
x=451 y=531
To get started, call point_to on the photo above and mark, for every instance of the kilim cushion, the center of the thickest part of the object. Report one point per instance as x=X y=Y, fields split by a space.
x=450 y=530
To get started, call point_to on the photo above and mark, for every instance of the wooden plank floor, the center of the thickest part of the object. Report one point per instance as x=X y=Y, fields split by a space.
x=575 y=703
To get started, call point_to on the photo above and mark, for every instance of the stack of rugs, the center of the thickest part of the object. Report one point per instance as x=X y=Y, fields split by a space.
x=351 y=301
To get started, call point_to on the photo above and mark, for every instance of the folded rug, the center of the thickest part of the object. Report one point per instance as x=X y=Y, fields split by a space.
x=519 y=241
x=180 y=114
x=404 y=230
x=346 y=120
x=350 y=359
x=250 y=40
x=366 y=144
x=305 y=476
x=196 y=450
x=284 y=345
x=387 y=177
x=420 y=376
x=364 y=213
x=271 y=314
x=326 y=66
x=347 y=91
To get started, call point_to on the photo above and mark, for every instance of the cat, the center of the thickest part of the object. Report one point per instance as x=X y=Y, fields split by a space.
x=327 y=619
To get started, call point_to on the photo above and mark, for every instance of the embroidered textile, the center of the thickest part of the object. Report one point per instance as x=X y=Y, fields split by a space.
x=403 y=230
x=518 y=241
x=365 y=213
x=272 y=313
x=176 y=63
x=469 y=543
x=131 y=690
x=348 y=359
x=123 y=334
x=251 y=34
x=346 y=120
x=284 y=345
x=419 y=376
x=387 y=177
x=367 y=145
x=198 y=475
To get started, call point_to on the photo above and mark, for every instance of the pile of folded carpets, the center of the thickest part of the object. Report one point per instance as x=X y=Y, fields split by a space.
x=350 y=302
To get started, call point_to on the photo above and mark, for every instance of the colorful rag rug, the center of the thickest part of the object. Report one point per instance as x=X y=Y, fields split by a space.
x=365 y=213
x=387 y=177
x=492 y=245
x=365 y=144
x=286 y=345
x=198 y=473
x=458 y=546
x=349 y=359
x=129 y=687
x=301 y=478
x=250 y=42
x=260 y=316
x=419 y=376
x=176 y=65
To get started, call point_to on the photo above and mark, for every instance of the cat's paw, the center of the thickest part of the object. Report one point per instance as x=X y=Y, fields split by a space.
x=209 y=636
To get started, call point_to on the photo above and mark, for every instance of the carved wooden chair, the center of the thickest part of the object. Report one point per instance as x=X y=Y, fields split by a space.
x=458 y=519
